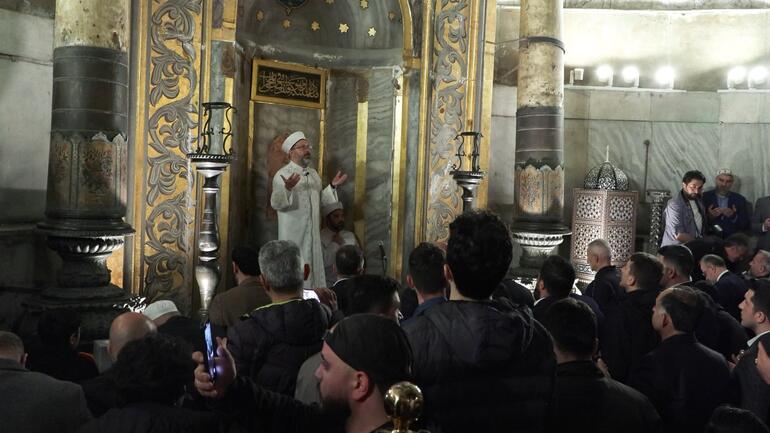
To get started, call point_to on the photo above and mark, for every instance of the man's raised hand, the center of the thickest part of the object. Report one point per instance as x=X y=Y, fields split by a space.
x=339 y=179
x=292 y=181
x=225 y=366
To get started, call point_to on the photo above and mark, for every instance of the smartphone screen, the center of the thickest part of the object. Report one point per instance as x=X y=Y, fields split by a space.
x=210 y=351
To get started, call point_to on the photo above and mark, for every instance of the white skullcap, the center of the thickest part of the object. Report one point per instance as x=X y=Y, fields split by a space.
x=159 y=308
x=726 y=171
x=291 y=140
x=331 y=207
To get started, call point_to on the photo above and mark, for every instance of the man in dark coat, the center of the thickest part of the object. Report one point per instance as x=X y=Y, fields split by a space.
x=348 y=262
x=749 y=391
x=628 y=333
x=685 y=380
x=276 y=339
x=33 y=402
x=730 y=287
x=585 y=399
x=726 y=209
x=734 y=250
x=605 y=288
x=426 y=276
x=229 y=307
x=554 y=282
x=150 y=376
x=483 y=365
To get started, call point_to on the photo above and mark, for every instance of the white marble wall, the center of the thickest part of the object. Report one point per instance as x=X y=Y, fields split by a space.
x=687 y=130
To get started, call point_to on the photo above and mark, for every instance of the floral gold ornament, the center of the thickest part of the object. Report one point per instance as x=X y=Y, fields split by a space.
x=364 y=4
x=315 y=26
x=344 y=28
x=260 y=15
x=286 y=24
x=372 y=32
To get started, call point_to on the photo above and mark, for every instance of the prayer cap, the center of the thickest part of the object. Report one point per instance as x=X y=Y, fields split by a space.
x=159 y=308
x=331 y=207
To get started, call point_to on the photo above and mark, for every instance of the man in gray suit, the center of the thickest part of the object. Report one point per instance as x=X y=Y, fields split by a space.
x=685 y=215
x=760 y=224
x=34 y=402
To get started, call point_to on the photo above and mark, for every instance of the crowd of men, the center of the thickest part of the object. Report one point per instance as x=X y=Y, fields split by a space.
x=672 y=342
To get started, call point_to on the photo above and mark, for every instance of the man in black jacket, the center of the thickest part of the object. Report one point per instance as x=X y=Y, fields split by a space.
x=363 y=356
x=605 y=288
x=730 y=287
x=628 y=333
x=685 y=380
x=585 y=400
x=748 y=389
x=483 y=365
x=276 y=339
x=555 y=282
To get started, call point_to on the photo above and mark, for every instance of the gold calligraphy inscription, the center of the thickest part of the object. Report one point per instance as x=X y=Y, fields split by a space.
x=288 y=84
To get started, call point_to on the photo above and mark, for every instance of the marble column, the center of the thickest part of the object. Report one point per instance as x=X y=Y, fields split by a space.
x=86 y=197
x=539 y=179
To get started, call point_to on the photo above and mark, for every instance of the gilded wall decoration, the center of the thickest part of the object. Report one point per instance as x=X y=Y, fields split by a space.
x=541 y=191
x=447 y=116
x=172 y=128
x=288 y=84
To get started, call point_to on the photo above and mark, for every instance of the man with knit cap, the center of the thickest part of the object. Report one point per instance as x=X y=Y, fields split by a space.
x=297 y=197
x=362 y=357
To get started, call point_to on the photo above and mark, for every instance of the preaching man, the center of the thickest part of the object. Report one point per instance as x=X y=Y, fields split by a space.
x=297 y=197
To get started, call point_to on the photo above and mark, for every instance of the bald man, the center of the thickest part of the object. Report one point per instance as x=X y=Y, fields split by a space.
x=126 y=328
x=100 y=391
x=605 y=288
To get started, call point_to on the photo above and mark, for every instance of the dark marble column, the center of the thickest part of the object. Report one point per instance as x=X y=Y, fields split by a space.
x=87 y=171
x=539 y=183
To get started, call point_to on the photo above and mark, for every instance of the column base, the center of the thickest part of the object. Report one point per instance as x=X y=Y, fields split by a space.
x=536 y=245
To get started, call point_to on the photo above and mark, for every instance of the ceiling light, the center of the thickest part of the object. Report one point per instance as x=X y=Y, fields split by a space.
x=604 y=74
x=631 y=75
x=757 y=75
x=665 y=77
x=735 y=76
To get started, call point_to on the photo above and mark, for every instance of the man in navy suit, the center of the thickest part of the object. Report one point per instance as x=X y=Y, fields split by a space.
x=725 y=208
x=685 y=380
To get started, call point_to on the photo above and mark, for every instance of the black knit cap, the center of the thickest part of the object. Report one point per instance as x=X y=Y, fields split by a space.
x=375 y=345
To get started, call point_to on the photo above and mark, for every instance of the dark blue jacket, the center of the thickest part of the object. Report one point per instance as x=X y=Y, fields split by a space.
x=738 y=223
x=483 y=367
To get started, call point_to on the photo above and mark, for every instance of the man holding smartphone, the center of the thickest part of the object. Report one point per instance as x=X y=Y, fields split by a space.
x=362 y=357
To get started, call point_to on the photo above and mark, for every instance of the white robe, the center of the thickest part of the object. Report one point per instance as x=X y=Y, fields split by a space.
x=330 y=251
x=299 y=217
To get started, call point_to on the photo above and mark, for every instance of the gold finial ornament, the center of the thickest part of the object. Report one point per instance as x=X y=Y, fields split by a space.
x=403 y=404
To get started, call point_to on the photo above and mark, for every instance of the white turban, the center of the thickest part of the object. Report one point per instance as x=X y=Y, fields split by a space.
x=328 y=208
x=291 y=140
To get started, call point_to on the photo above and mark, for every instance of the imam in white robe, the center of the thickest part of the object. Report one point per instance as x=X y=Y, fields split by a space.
x=299 y=218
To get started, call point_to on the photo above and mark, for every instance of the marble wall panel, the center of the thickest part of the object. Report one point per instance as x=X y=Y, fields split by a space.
x=576 y=103
x=339 y=153
x=685 y=106
x=745 y=149
x=619 y=105
x=679 y=147
x=764 y=108
x=627 y=151
x=503 y=100
x=740 y=107
x=410 y=176
x=502 y=147
x=379 y=161
x=270 y=121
